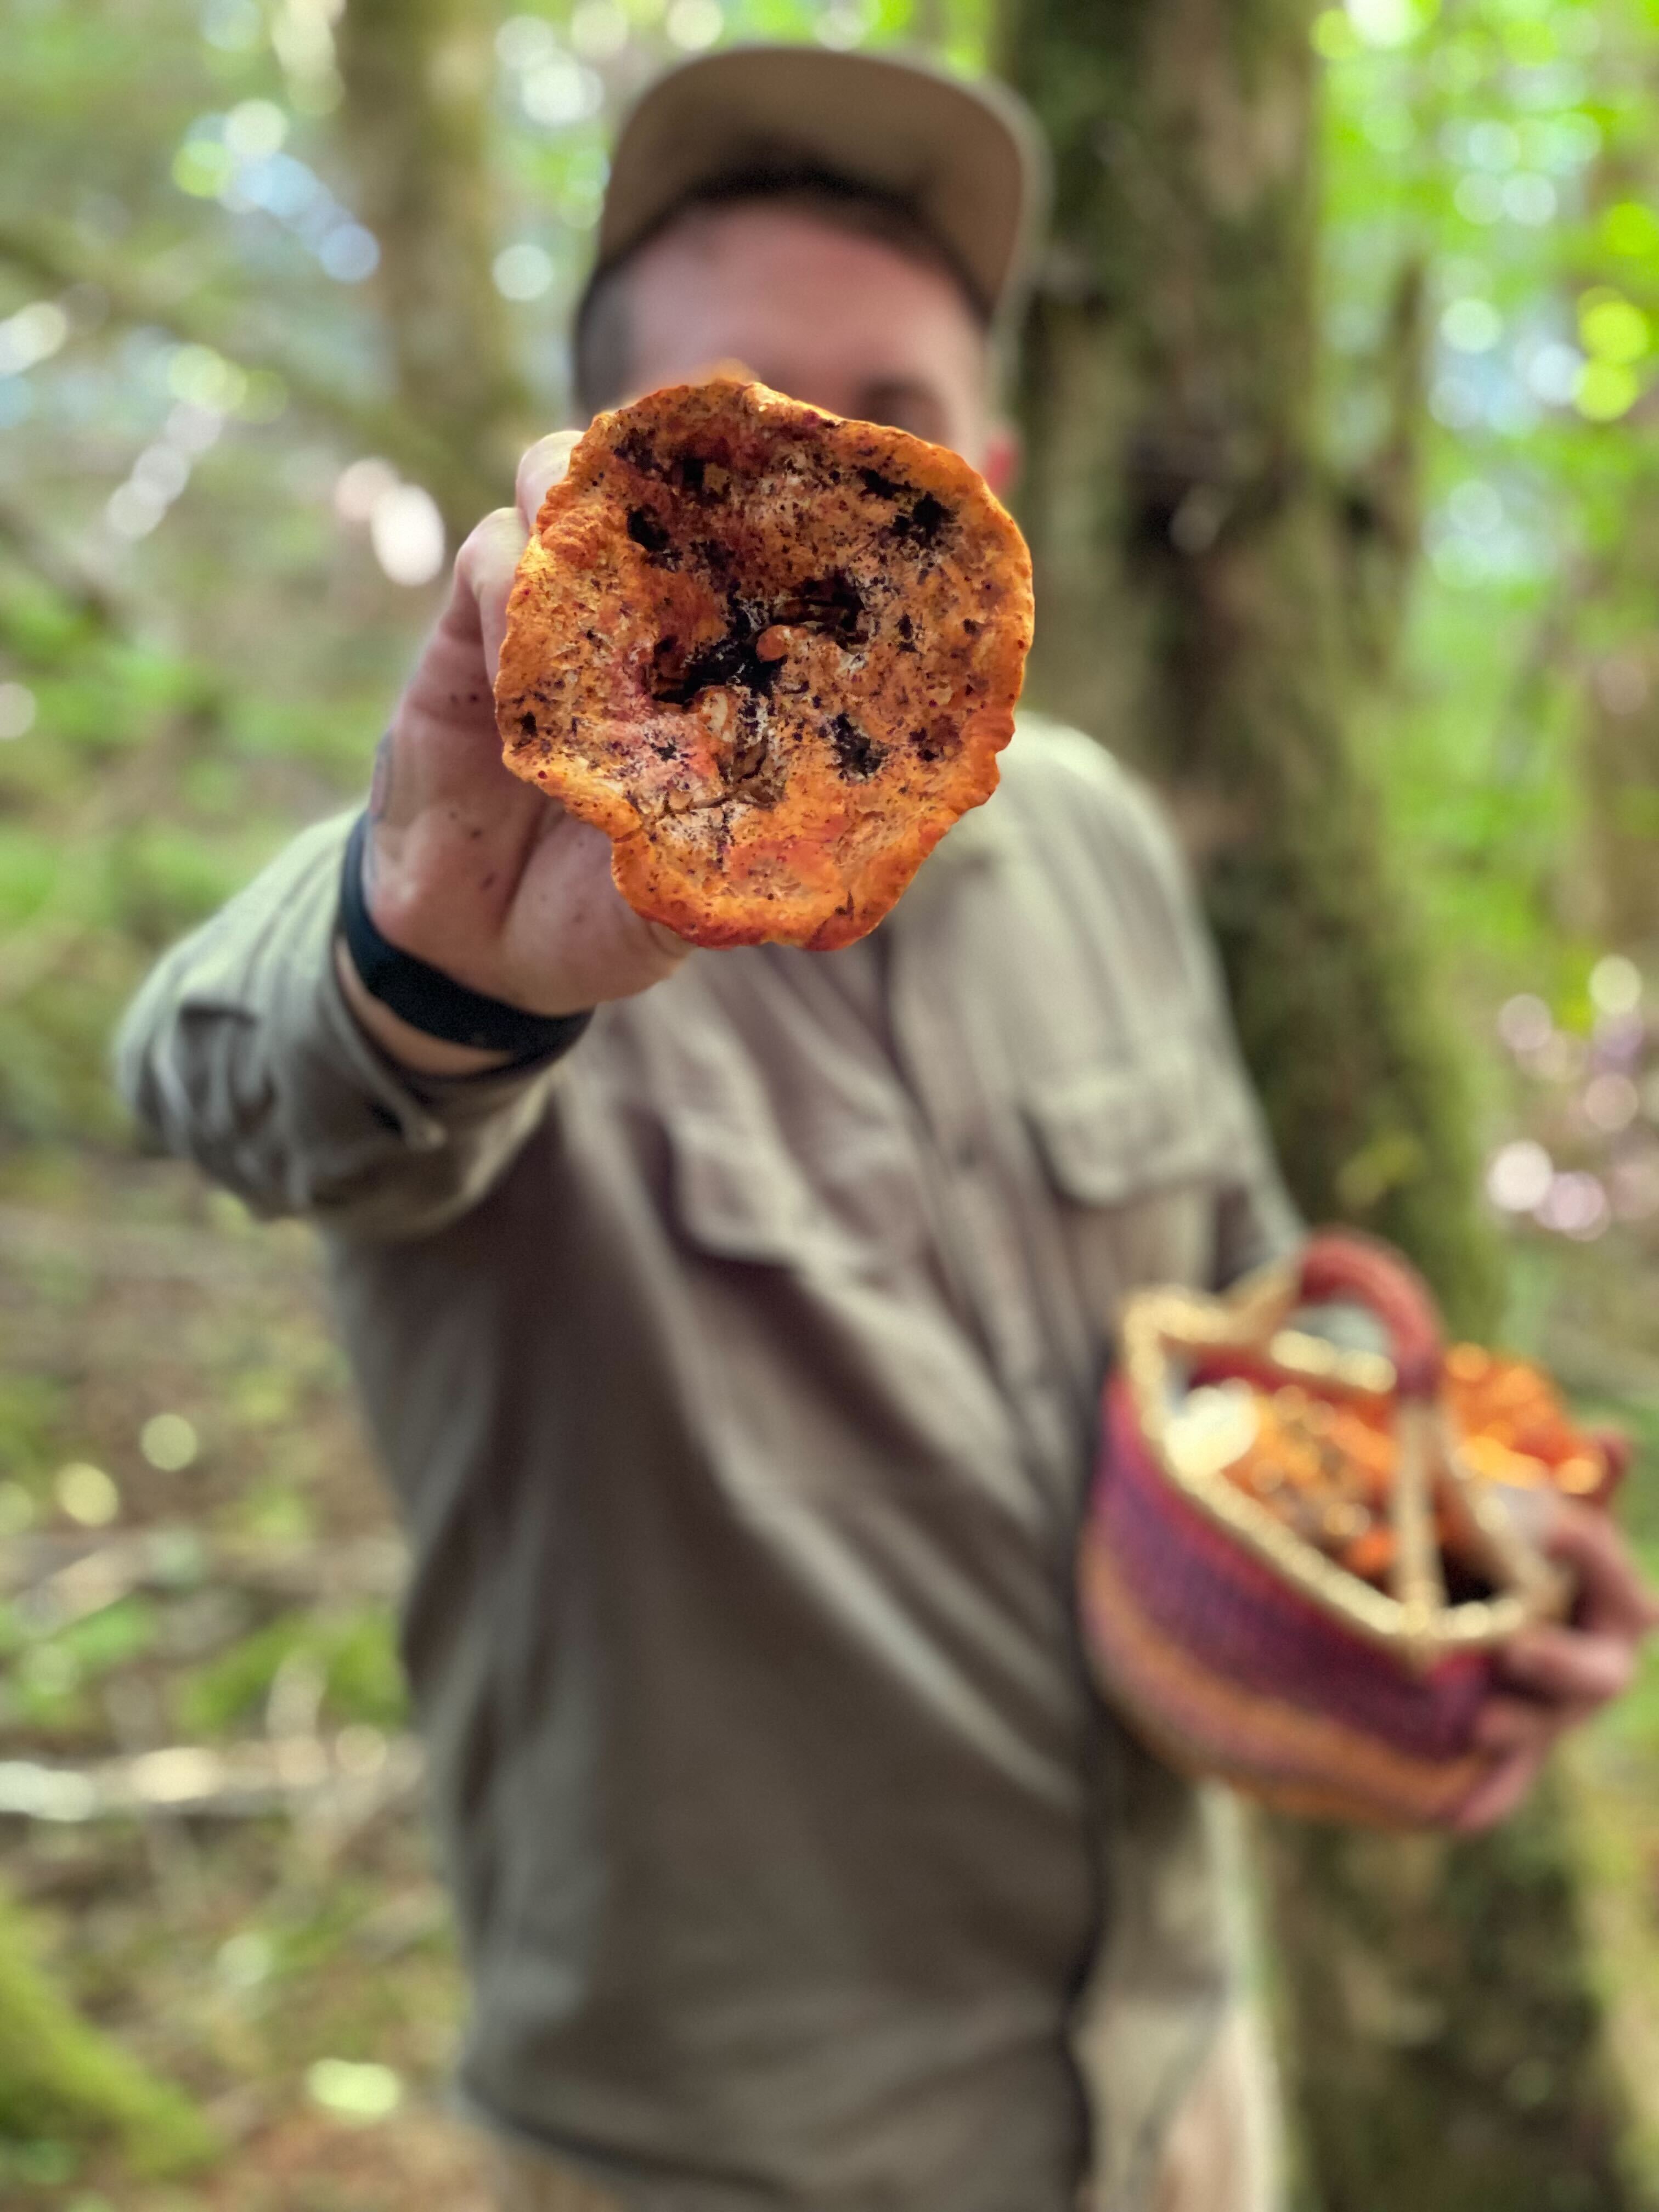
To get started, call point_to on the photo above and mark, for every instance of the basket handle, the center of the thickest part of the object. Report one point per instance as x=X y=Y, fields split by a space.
x=1341 y=1263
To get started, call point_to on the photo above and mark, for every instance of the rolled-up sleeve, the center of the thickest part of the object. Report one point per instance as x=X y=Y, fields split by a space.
x=241 y=1053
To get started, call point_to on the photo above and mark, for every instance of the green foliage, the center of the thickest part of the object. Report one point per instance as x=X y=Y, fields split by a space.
x=354 y=1654
x=30 y=1408
x=1507 y=152
x=1496 y=160
x=63 y=2084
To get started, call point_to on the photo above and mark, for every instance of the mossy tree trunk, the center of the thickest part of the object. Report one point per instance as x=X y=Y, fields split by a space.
x=1212 y=603
x=1198 y=575
x=1619 y=758
x=1621 y=780
x=417 y=77
x=1447 y=2039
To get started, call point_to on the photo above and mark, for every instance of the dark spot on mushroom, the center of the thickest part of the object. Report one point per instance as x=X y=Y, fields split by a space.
x=858 y=754
x=832 y=603
x=638 y=451
x=644 y=530
x=691 y=468
x=732 y=658
x=970 y=626
x=527 y=725
x=881 y=486
x=923 y=522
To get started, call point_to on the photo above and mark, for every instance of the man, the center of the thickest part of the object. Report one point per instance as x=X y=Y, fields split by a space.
x=734 y=1354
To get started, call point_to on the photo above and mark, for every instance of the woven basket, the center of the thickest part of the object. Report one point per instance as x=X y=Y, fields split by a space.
x=1241 y=1648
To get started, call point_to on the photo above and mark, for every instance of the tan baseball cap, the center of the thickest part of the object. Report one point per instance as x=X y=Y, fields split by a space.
x=967 y=160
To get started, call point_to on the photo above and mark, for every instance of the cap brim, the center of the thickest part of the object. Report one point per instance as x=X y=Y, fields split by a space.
x=968 y=159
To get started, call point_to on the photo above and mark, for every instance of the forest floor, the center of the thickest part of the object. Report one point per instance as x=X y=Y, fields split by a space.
x=260 y=1925
x=197 y=1563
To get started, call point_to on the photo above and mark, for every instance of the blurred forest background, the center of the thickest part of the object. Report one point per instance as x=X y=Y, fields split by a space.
x=1341 y=393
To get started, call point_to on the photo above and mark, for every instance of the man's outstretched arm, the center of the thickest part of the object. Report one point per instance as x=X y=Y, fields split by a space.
x=257 y=1049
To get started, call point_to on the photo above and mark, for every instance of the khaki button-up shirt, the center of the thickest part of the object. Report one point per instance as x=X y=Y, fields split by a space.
x=737 y=1380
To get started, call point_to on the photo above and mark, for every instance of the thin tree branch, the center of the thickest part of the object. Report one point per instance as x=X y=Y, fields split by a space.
x=66 y=1577
x=350 y=1775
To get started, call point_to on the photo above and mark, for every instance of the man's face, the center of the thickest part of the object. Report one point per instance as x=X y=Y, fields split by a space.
x=842 y=321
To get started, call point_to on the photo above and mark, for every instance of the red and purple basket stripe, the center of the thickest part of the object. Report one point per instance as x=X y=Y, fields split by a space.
x=1236 y=1672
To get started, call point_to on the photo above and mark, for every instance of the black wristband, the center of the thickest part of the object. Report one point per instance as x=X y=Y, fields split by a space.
x=427 y=999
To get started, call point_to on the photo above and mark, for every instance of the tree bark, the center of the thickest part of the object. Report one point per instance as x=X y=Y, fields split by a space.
x=1215 y=607
x=1621 y=766
x=1447 y=2039
x=417 y=75
x=1179 y=511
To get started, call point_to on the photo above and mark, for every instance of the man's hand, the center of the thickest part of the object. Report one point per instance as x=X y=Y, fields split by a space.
x=1554 y=1677
x=467 y=867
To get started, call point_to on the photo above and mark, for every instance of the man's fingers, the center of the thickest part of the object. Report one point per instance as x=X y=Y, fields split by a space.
x=1560 y=1675
x=444 y=751
x=569 y=897
x=540 y=469
x=1510 y=1724
x=1570 y=1666
x=1613 y=1595
x=484 y=569
x=1498 y=1795
x=1619 y=1447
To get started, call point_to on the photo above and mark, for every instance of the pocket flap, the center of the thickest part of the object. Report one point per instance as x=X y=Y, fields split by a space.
x=735 y=1194
x=1109 y=1133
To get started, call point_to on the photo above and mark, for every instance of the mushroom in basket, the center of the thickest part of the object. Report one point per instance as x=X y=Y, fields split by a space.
x=1300 y=1560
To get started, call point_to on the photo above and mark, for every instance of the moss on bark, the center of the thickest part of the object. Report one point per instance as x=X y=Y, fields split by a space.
x=1179 y=510
x=1449 y=2037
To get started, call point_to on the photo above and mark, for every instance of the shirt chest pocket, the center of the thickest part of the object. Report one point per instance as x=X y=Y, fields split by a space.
x=848 y=1201
x=735 y=1193
x=1137 y=1152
